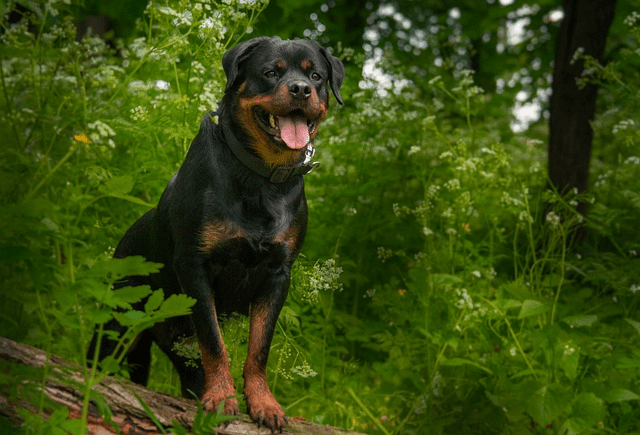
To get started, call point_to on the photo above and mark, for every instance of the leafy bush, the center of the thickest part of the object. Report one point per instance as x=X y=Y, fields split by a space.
x=92 y=135
x=467 y=305
x=439 y=289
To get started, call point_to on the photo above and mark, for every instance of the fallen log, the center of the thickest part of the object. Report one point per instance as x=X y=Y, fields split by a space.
x=124 y=399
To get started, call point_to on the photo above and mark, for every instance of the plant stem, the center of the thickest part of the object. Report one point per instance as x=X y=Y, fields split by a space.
x=62 y=161
x=366 y=411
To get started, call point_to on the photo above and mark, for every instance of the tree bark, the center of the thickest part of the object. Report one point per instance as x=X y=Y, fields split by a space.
x=64 y=385
x=585 y=25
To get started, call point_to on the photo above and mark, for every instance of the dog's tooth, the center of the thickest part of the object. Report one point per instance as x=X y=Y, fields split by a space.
x=272 y=121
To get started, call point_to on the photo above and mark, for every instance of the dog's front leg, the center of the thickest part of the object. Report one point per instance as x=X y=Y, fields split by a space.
x=218 y=383
x=262 y=406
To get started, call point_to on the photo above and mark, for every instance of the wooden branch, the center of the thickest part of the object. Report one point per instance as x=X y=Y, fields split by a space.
x=120 y=396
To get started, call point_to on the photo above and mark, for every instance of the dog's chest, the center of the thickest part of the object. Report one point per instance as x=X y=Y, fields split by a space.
x=245 y=255
x=241 y=269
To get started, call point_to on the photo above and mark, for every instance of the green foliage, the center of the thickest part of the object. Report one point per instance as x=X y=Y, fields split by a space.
x=466 y=306
x=439 y=290
x=92 y=135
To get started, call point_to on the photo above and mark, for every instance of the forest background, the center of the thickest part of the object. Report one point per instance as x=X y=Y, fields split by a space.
x=472 y=261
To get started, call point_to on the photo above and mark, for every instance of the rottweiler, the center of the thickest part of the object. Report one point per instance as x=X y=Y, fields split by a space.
x=232 y=220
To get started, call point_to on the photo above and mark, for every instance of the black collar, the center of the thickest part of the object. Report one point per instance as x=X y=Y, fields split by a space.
x=275 y=174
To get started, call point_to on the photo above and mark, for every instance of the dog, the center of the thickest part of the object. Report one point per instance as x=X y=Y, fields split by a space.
x=232 y=220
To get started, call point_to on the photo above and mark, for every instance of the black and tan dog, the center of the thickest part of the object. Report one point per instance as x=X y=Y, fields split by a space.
x=233 y=218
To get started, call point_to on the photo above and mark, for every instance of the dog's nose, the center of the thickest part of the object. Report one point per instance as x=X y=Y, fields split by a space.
x=300 y=90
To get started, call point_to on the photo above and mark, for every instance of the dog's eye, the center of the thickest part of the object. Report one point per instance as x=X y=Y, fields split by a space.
x=271 y=74
x=315 y=76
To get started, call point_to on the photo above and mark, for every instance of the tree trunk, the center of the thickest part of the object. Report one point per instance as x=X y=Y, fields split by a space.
x=64 y=385
x=585 y=25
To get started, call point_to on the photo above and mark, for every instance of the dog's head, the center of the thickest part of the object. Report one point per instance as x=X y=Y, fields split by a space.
x=279 y=93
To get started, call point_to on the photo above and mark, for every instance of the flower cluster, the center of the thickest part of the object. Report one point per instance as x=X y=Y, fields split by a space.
x=553 y=220
x=625 y=124
x=323 y=277
x=139 y=113
x=101 y=133
x=632 y=19
x=304 y=371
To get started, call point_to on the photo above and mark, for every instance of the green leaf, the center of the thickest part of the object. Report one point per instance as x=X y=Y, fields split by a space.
x=289 y=317
x=619 y=395
x=130 y=318
x=569 y=363
x=59 y=415
x=154 y=301
x=73 y=426
x=633 y=197
x=125 y=296
x=101 y=314
x=587 y=411
x=134 y=265
x=548 y=403
x=507 y=304
x=532 y=308
x=110 y=364
x=51 y=226
x=517 y=289
x=118 y=185
x=442 y=279
x=588 y=407
x=177 y=305
x=635 y=324
x=580 y=321
x=114 y=269
x=632 y=362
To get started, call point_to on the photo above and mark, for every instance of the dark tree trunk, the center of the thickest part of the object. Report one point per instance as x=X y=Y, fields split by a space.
x=585 y=25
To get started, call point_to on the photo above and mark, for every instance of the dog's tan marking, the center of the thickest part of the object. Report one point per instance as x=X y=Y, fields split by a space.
x=214 y=233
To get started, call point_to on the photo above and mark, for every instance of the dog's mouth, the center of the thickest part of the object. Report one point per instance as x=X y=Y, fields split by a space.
x=294 y=129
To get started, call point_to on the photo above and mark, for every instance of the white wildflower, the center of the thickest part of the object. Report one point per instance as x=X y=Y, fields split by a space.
x=465 y=301
x=525 y=217
x=304 y=371
x=625 y=124
x=632 y=19
x=414 y=150
x=453 y=184
x=139 y=113
x=446 y=155
x=553 y=219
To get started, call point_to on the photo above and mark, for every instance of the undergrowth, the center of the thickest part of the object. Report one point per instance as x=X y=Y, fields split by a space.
x=440 y=289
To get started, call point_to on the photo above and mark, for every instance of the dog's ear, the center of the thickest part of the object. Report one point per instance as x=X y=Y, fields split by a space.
x=233 y=58
x=336 y=73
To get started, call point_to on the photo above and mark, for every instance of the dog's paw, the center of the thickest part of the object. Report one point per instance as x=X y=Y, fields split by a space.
x=211 y=401
x=266 y=411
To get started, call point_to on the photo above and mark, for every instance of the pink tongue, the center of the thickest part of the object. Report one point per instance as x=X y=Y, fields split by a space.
x=294 y=131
